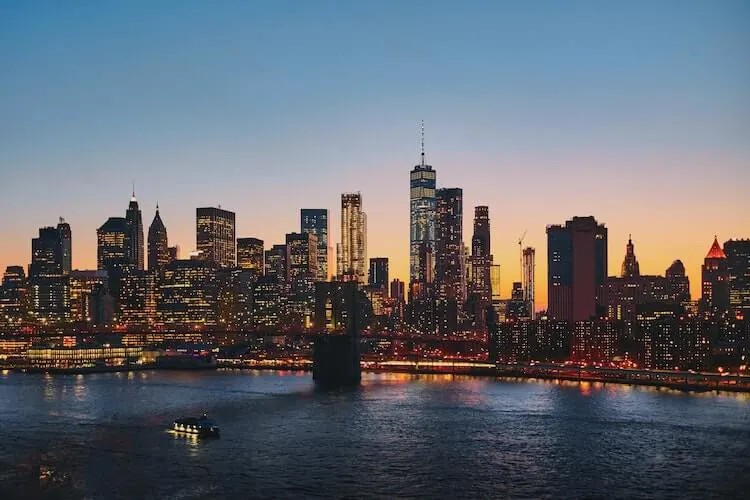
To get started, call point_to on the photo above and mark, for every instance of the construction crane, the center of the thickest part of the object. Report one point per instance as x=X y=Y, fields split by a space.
x=520 y=253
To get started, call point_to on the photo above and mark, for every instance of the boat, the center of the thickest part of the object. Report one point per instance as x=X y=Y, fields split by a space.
x=197 y=426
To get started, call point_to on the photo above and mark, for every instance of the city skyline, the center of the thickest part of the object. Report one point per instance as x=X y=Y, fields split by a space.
x=636 y=135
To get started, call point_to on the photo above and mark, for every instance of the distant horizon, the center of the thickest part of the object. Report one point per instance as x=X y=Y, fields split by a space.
x=637 y=114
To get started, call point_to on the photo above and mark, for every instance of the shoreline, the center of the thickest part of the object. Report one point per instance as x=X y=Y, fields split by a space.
x=498 y=373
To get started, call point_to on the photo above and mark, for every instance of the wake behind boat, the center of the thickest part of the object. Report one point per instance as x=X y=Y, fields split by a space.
x=197 y=426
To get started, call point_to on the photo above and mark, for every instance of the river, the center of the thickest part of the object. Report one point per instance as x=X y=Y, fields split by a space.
x=398 y=435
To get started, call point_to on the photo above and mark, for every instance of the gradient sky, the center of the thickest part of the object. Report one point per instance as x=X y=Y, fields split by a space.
x=635 y=112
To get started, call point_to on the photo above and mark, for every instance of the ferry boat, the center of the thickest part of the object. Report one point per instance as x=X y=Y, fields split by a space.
x=202 y=427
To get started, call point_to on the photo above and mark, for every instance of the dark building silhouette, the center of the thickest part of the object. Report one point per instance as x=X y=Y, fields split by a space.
x=276 y=262
x=449 y=266
x=250 y=254
x=715 y=281
x=481 y=255
x=678 y=282
x=397 y=290
x=576 y=269
x=378 y=276
x=738 y=268
x=630 y=265
x=315 y=220
x=134 y=241
x=66 y=246
x=158 y=245
x=111 y=240
x=46 y=253
x=215 y=235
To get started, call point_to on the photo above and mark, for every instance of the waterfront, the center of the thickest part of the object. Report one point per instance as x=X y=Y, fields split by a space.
x=398 y=435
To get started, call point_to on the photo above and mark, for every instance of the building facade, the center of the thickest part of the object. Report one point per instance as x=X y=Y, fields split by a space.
x=215 y=235
x=250 y=252
x=315 y=220
x=158 y=244
x=353 y=255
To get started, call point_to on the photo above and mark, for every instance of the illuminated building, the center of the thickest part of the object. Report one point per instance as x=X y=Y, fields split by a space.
x=13 y=297
x=110 y=239
x=134 y=240
x=630 y=265
x=715 y=281
x=187 y=294
x=422 y=203
x=302 y=262
x=594 y=341
x=158 y=246
x=449 y=268
x=738 y=267
x=353 y=238
x=235 y=298
x=137 y=299
x=397 y=290
x=315 y=220
x=576 y=269
x=250 y=254
x=495 y=281
x=82 y=357
x=338 y=306
x=529 y=292
x=378 y=277
x=268 y=302
x=678 y=282
x=49 y=288
x=215 y=236
x=517 y=307
x=481 y=256
x=276 y=262
x=66 y=246
x=83 y=287
x=46 y=253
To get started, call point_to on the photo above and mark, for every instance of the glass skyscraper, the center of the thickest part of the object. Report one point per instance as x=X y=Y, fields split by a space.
x=215 y=235
x=315 y=220
x=422 y=204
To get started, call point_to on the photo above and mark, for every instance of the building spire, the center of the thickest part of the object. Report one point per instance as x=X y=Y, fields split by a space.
x=422 y=156
x=133 y=198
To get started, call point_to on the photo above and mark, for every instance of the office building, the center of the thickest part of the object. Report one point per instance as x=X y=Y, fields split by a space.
x=276 y=262
x=302 y=261
x=576 y=269
x=378 y=276
x=353 y=255
x=66 y=246
x=134 y=240
x=738 y=268
x=481 y=256
x=111 y=240
x=449 y=246
x=250 y=254
x=715 y=281
x=529 y=286
x=215 y=236
x=158 y=245
x=188 y=295
x=422 y=203
x=315 y=220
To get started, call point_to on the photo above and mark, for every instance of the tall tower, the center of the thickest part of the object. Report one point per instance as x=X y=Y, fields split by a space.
x=315 y=220
x=135 y=238
x=158 y=246
x=630 y=265
x=576 y=268
x=738 y=267
x=112 y=243
x=353 y=237
x=449 y=245
x=528 y=278
x=715 y=281
x=422 y=204
x=481 y=257
x=215 y=235
x=66 y=248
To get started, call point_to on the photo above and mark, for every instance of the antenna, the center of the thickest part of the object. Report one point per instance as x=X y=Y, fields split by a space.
x=423 y=143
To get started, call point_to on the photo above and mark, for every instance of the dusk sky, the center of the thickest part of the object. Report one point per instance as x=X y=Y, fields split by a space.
x=635 y=112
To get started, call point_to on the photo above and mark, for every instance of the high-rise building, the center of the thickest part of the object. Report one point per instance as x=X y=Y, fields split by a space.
x=397 y=290
x=188 y=294
x=111 y=240
x=495 y=281
x=481 y=256
x=715 y=281
x=576 y=269
x=46 y=253
x=630 y=265
x=174 y=253
x=14 y=304
x=268 y=302
x=83 y=286
x=302 y=261
x=379 y=273
x=215 y=236
x=353 y=238
x=422 y=203
x=66 y=246
x=137 y=302
x=158 y=246
x=276 y=262
x=315 y=220
x=250 y=254
x=738 y=266
x=449 y=266
x=529 y=288
x=678 y=282
x=134 y=243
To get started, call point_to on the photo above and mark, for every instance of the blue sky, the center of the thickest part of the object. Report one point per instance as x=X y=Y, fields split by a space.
x=635 y=112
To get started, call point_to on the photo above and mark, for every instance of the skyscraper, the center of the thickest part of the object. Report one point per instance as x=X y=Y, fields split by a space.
x=630 y=265
x=49 y=288
x=449 y=245
x=66 y=247
x=576 y=269
x=481 y=256
x=715 y=281
x=46 y=253
x=111 y=240
x=215 y=236
x=276 y=262
x=353 y=237
x=315 y=220
x=379 y=273
x=134 y=242
x=158 y=246
x=738 y=266
x=422 y=203
x=529 y=292
x=302 y=262
x=250 y=254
